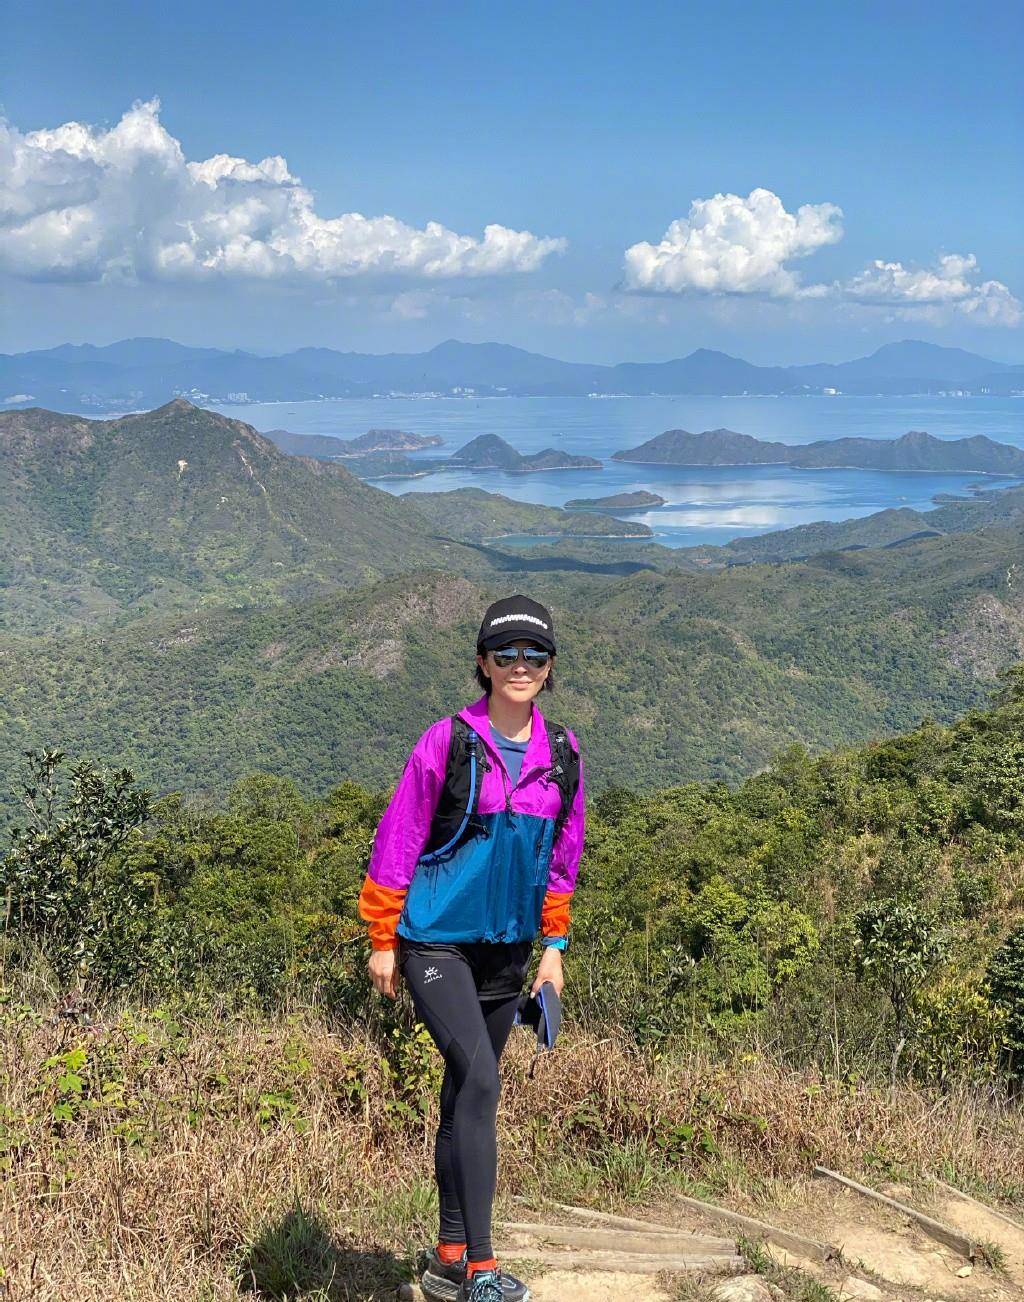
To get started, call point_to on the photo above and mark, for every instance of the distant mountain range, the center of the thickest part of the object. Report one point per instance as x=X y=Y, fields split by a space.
x=916 y=450
x=140 y=373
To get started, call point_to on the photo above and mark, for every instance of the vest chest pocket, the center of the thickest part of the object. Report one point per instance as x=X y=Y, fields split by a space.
x=544 y=852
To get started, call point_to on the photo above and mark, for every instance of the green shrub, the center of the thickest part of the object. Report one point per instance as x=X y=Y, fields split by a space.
x=1006 y=985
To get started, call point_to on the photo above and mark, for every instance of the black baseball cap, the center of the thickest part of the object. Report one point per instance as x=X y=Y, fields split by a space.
x=516 y=617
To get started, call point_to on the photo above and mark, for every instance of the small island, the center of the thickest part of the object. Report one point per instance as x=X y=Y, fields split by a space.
x=635 y=501
x=326 y=447
x=389 y=440
x=490 y=452
x=914 y=451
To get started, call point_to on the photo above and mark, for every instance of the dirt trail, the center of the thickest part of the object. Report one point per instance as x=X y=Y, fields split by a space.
x=987 y=1226
x=595 y=1286
x=583 y=1255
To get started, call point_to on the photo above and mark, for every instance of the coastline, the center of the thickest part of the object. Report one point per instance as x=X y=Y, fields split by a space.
x=882 y=470
x=569 y=537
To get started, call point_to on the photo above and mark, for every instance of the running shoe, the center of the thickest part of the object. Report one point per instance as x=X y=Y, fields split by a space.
x=489 y=1286
x=442 y=1281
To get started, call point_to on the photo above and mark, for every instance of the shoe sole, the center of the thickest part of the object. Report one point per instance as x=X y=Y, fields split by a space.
x=438 y=1289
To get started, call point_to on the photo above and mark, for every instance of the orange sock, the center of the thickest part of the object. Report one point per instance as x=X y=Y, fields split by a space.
x=490 y=1263
x=450 y=1253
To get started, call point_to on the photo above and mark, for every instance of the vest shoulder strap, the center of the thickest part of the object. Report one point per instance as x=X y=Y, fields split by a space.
x=565 y=771
x=455 y=814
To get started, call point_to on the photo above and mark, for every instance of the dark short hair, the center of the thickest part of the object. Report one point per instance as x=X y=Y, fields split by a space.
x=485 y=682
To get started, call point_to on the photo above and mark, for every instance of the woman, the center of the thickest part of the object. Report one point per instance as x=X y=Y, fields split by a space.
x=459 y=921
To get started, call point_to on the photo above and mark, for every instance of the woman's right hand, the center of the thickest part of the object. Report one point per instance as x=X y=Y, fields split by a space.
x=384 y=972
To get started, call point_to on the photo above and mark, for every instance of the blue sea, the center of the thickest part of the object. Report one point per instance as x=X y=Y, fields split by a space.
x=703 y=504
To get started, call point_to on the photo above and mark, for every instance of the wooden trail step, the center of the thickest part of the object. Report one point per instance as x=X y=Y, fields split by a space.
x=627 y=1222
x=753 y=1228
x=634 y=1263
x=985 y=1207
x=671 y=1242
x=936 y=1230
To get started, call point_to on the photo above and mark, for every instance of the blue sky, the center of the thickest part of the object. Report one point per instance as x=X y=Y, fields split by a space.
x=884 y=143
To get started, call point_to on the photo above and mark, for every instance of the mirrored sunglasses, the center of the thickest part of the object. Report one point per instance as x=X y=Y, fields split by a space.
x=533 y=656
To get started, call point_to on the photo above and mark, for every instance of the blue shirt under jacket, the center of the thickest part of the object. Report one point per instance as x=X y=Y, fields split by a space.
x=512 y=753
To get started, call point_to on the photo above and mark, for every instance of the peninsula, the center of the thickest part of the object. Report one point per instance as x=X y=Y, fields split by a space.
x=327 y=447
x=472 y=514
x=915 y=450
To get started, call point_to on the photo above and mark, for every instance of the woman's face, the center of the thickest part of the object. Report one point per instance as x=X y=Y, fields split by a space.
x=517 y=683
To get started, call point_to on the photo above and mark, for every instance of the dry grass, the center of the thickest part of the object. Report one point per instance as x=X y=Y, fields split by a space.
x=192 y=1163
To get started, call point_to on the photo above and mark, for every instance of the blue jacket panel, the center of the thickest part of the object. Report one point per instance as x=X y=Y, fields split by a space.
x=491 y=887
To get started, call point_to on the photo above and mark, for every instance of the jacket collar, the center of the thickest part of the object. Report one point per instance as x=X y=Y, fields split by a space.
x=538 y=750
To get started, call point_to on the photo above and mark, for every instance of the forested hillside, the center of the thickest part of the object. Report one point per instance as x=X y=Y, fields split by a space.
x=825 y=965
x=178 y=508
x=797 y=937
x=863 y=910
x=665 y=677
x=183 y=598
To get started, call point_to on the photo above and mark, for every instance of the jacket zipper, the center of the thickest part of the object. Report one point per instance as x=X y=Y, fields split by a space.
x=489 y=745
x=496 y=754
x=508 y=795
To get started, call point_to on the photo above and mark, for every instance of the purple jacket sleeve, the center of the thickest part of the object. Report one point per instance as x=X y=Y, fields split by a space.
x=565 y=864
x=402 y=833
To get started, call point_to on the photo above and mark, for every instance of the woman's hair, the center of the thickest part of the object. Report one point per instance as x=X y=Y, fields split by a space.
x=485 y=682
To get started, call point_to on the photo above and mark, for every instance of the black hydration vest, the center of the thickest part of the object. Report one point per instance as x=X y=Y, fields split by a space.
x=455 y=818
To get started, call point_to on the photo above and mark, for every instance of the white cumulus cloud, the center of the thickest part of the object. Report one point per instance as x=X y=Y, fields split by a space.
x=934 y=293
x=83 y=203
x=731 y=245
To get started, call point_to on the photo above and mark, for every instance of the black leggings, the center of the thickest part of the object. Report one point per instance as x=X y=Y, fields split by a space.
x=466 y=996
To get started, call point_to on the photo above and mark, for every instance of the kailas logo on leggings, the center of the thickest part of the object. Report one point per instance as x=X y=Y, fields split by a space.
x=431 y=974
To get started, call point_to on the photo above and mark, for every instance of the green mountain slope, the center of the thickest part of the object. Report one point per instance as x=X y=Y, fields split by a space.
x=888 y=528
x=666 y=677
x=179 y=507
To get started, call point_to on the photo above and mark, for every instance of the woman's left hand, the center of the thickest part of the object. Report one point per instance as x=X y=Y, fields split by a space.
x=549 y=969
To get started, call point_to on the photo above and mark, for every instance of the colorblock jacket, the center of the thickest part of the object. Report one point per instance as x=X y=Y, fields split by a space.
x=502 y=886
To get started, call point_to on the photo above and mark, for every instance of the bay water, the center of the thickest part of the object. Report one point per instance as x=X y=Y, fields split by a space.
x=704 y=504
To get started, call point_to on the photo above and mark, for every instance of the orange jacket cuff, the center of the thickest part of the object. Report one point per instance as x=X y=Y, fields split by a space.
x=554 y=916
x=381 y=907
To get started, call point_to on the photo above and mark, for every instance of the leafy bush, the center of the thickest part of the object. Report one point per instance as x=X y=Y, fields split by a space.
x=1006 y=984
x=842 y=908
x=70 y=887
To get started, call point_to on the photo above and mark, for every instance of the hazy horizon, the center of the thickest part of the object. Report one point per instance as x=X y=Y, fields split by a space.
x=1010 y=360
x=598 y=185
